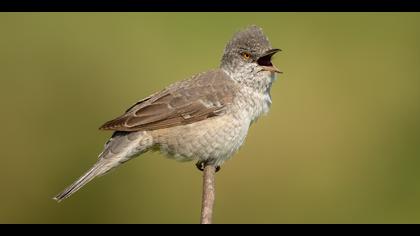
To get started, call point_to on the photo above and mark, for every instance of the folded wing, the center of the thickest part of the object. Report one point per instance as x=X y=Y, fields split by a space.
x=204 y=96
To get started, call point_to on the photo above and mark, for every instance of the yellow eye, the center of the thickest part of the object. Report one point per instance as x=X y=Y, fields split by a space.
x=246 y=55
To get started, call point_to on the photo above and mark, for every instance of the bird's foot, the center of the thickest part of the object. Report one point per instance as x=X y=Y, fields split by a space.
x=202 y=164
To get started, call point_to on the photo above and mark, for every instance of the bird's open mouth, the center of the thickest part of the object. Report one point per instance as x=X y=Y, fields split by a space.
x=265 y=61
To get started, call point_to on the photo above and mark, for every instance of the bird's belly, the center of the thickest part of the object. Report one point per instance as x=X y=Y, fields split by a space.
x=215 y=139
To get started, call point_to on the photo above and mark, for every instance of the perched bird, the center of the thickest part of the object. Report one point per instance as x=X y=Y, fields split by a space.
x=204 y=118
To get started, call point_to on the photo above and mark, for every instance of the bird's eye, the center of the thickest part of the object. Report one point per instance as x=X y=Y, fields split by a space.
x=246 y=55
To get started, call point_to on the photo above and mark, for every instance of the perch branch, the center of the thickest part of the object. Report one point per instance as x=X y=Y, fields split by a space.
x=208 y=194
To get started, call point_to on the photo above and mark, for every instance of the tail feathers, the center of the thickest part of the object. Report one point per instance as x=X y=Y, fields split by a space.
x=122 y=147
x=98 y=169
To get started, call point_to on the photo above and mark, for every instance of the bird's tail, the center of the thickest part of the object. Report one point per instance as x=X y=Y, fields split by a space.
x=122 y=147
x=101 y=167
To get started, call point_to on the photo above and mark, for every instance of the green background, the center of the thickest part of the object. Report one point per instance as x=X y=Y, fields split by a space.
x=340 y=144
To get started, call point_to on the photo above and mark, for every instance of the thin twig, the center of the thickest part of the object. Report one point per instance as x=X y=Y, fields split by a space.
x=208 y=194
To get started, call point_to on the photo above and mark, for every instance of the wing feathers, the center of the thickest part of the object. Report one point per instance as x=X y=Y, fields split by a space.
x=201 y=97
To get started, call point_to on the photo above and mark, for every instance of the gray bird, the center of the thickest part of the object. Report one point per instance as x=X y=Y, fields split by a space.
x=205 y=118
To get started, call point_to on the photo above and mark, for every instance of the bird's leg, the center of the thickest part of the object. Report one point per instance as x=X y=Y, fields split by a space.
x=201 y=164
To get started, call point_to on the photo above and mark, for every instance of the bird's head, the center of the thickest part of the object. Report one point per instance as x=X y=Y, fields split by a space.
x=249 y=52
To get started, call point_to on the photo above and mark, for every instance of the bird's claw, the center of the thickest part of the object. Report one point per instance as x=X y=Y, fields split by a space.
x=201 y=165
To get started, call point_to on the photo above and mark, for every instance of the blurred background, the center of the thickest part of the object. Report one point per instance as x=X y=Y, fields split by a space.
x=340 y=144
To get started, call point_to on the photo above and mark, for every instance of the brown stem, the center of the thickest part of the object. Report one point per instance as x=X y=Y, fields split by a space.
x=208 y=194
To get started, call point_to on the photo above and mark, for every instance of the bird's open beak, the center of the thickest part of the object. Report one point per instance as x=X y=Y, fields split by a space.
x=265 y=60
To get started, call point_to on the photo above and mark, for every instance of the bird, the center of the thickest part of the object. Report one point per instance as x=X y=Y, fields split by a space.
x=205 y=118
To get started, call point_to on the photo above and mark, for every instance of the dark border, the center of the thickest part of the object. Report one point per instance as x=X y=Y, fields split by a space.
x=210 y=6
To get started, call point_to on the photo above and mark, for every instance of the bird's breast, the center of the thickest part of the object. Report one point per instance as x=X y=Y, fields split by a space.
x=252 y=104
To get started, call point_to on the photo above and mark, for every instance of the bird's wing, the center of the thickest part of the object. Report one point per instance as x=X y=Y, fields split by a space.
x=201 y=97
